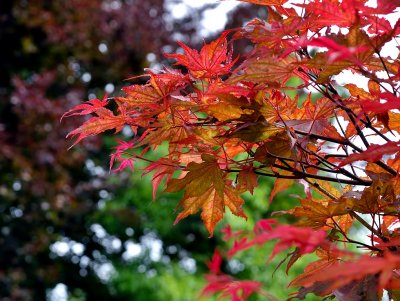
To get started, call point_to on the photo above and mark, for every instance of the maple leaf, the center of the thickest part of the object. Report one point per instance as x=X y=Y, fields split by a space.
x=138 y=95
x=247 y=180
x=201 y=177
x=255 y=132
x=305 y=239
x=279 y=146
x=338 y=275
x=224 y=111
x=206 y=189
x=319 y=62
x=124 y=163
x=215 y=264
x=153 y=97
x=88 y=107
x=213 y=60
x=359 y=93
x=317 y=214
x=336 y=52
x=220 y=90
x=263 y=68
x=237 y=290
x=212 y=205
x=394 y=120
x=315 y=110
x=280 y=185
x=383 y=7
x=326 y=13
x=272 y=34
x=377 y=107
x=105 y=120
x=118 y=155
x=319 y=128
x=167 y=129
x=379 y=197
x=373 y=153
x=358 y=290
x=218 y=282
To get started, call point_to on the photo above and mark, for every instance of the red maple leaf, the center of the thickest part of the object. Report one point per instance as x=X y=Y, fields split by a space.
x=305 y=239
x=218 y=282
x=103 y=121
x=392 y=102
x=373 y=153
x=213 y=60
x=88 y=107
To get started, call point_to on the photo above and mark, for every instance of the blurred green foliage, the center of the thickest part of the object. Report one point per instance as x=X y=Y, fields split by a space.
x=189 y=238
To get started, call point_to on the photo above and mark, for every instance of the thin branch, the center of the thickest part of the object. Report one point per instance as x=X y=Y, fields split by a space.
x=361 y=244
x=302 y=175
x=330 y=139
x=332 y=197
x=366 y=225
x=338 y=170
x=369 y=125
x=349 y=240
x=386 y=69
x=344 y=134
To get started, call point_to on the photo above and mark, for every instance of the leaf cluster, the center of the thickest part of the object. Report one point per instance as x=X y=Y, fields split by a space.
x=229 y=121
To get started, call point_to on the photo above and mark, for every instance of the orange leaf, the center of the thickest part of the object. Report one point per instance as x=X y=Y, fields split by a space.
x=213 y=206
x=317 y=214
x=224 y=111
x=280 y=185
x=200 y=178
x=247 y=181
x=206 y=189
x=104 y=120
x=394 y=121
x=139 y=95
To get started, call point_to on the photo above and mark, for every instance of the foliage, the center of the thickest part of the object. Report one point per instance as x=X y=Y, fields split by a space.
x=230 y=121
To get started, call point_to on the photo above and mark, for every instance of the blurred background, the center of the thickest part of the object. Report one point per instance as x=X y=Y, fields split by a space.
x=69 y=229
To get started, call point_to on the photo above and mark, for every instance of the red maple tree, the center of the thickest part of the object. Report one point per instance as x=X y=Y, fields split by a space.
x=230 y=120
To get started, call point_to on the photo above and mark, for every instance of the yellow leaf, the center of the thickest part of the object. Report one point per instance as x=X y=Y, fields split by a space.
x=358 y=92
x=328 y=187
x=224 y=111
